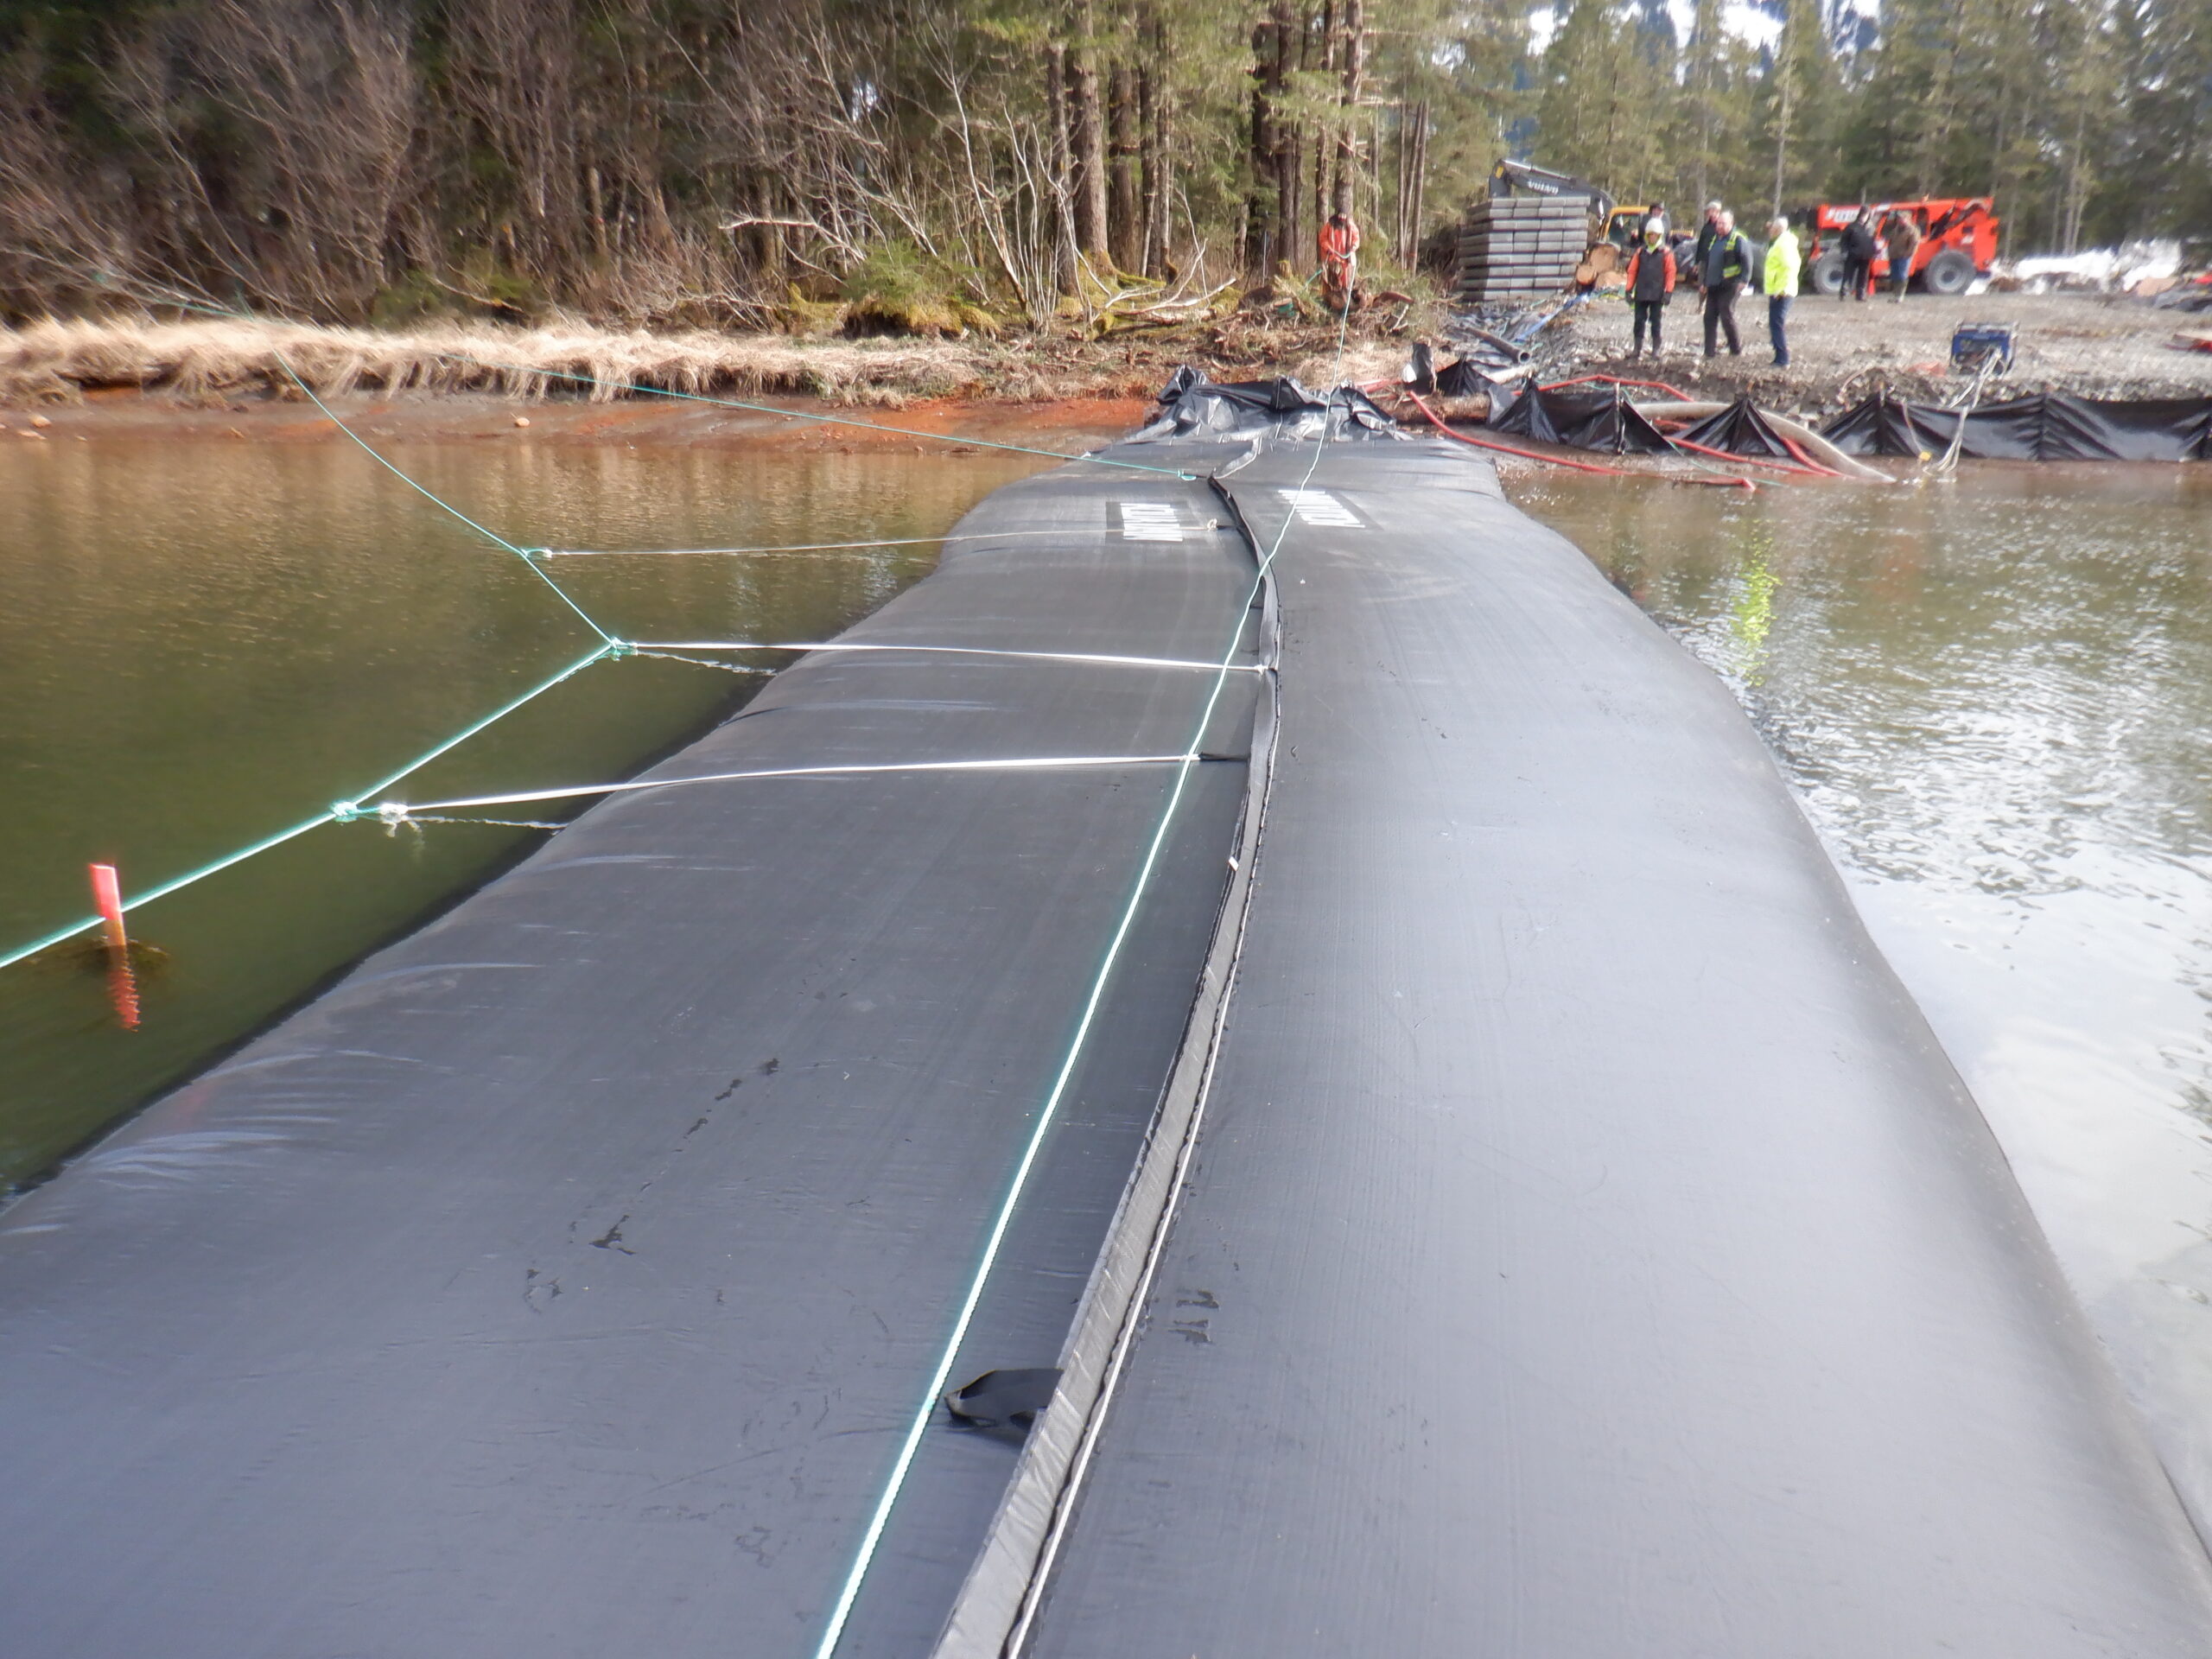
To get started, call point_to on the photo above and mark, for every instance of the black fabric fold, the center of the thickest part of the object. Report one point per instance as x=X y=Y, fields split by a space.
x=2042 y=426
x=1603 y=419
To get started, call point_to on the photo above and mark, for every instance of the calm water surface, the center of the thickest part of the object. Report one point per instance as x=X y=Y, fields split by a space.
x=1994 y=698
x=203 y=643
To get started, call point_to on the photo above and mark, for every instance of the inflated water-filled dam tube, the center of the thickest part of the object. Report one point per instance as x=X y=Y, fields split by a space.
x=1499 y=1203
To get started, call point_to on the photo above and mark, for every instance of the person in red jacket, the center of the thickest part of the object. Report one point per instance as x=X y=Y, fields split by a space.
x=1650 y=283
x=1339 y=252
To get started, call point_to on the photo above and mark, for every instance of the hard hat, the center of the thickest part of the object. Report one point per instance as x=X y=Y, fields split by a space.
x=1655 y=226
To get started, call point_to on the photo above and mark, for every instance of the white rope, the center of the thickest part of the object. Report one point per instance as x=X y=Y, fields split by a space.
x=400 y=813
x=952 y=651
x=1069 y=533
x=909 y=1443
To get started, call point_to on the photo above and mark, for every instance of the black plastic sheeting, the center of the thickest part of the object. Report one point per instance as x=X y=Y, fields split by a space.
x=562 y=1282
x=1587 y=1249
x=1740 y=430
x=1191 y=406
x=2047 y=426
x=1603 y=420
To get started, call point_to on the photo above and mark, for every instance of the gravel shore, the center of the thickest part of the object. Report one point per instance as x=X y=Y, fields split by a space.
x=1842 y=350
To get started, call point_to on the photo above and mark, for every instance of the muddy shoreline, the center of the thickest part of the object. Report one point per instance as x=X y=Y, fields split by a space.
x=811 y=424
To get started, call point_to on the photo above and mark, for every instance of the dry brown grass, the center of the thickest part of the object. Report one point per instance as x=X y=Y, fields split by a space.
x=205 y=361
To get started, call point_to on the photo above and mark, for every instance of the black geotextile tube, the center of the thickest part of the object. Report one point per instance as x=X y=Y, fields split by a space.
x=1740 y=430
x=1586 y=1249
x=2045 y=426
x=563 y=1281
x=1602 y=420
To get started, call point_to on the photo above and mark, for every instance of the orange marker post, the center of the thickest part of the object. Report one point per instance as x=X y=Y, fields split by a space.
x=122 y=986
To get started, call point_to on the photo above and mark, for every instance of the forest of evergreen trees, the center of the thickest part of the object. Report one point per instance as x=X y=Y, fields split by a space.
x=709 y=160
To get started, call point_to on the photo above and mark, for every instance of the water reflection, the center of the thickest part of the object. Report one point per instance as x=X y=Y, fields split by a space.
x=202 y=642
x=1995 y=700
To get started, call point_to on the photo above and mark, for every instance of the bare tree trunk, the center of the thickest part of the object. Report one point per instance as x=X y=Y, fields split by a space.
x=1147 y=168
x=1163 y=143
x=2076 y=183
x=1260 y=229
x=1353 y=56
x=1123 y=230
x=1308 y=253
x=1420 y=183
x=1061 y=182
x=1413 y=165
x=1088 y=135
x=1290 y=167
x=1325 y=146
x=1785 y=72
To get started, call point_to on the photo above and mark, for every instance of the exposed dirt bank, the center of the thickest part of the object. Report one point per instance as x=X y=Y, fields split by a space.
x=1069 y=424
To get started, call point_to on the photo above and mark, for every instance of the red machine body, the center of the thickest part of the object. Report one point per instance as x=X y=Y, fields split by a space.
x=1958 y=241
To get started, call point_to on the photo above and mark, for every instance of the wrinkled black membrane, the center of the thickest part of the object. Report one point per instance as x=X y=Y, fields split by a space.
x=2047 y=426
x=1740 y=430
x=1602 y=419
x=1193 y=407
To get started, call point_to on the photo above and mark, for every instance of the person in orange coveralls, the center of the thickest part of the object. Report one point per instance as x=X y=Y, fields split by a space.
x=1339 y=252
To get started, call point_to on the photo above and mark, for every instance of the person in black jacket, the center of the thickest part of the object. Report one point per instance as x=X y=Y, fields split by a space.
x=1650 y=283
x=1858 y=246
x=1727 y=262
x=1706 y=230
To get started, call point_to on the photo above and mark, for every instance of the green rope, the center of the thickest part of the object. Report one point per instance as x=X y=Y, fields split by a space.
x=435 y=500
x=336 y=812
x=910 y=1444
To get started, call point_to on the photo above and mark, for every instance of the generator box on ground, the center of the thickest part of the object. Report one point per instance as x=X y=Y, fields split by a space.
x=1974 y=343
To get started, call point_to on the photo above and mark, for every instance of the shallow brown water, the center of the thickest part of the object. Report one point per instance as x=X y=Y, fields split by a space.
x=201 y=643
x=1994 y=699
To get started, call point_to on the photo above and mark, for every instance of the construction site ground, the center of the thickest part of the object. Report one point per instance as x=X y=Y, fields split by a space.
x=1841 y=351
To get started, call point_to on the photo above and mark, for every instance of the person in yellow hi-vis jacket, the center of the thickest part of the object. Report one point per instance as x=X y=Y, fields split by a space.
x=1782 y=264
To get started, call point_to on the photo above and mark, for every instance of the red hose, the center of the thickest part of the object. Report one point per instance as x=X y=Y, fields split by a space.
x=1615 y=380
x=1436 y=420
x=1749 y=460
x=1790 y=443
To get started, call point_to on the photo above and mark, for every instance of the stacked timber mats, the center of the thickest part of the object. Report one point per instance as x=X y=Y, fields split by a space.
x=1398 y=1118
x=1513 y=248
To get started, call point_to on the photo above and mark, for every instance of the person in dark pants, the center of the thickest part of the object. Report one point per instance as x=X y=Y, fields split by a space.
x=1857 y=247
x=1708 y=227
x=1726 y=263
x=1650 y=283
x=1782 y=264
